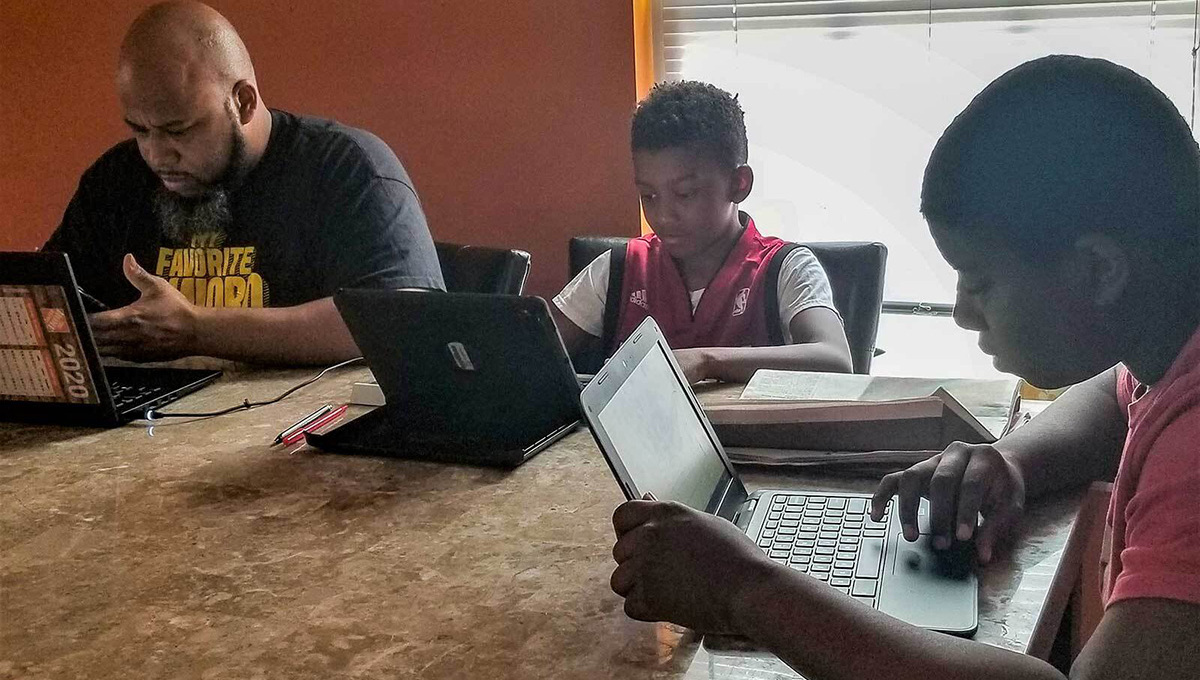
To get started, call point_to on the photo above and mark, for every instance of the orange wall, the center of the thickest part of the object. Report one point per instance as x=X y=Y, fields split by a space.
x=511 y=115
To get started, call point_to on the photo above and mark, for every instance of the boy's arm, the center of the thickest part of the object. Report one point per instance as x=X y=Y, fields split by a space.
x=574 y=338
x=1077 y=439
x=820 y=346
x=697 y=570
x=585 y=296
x=1147 y=639
x=677 y=564
x=824 y=634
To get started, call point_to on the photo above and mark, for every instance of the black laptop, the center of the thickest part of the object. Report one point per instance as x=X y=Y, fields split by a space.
x=50 y=370
x=657 y=438
x=468 y=378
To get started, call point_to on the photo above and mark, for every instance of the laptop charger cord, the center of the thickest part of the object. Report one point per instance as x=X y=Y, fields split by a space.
x=154 y=414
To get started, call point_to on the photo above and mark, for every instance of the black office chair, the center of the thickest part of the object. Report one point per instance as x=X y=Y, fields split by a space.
x=478 y=269
x=855 y=270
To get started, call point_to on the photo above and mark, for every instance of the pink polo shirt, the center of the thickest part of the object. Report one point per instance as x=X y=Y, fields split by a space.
x=1155 y=513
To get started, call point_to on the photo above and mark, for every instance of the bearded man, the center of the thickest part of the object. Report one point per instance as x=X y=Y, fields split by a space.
x=223 y=227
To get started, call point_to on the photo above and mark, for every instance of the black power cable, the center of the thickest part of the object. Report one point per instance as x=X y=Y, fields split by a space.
x=153 y=415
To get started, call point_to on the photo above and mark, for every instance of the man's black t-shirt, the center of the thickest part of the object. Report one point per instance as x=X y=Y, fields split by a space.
x=327 y=207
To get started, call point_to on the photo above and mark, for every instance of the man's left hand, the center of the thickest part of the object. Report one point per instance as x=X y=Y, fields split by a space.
x=160 y=326
x=680 y=565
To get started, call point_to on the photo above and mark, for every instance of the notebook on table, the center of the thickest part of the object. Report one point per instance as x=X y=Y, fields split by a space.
x=50 y=370
x=656 y=438
x=467 y=378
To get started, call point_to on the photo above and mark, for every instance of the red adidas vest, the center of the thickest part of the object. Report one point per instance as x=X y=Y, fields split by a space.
x=731 y=312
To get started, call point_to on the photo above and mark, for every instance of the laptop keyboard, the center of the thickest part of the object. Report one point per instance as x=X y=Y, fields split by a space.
x=126 y=396
x=831 y=538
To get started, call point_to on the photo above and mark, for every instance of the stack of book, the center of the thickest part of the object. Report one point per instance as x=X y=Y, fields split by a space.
x=793 y=418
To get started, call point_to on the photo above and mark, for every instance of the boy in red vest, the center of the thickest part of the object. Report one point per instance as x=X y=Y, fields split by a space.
x=729 y=300
x=1067 y=198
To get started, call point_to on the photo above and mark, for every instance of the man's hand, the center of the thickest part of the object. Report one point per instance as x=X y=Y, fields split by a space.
x=695 y=364
x=679 y=565
x=961 y=482
x=160 y=326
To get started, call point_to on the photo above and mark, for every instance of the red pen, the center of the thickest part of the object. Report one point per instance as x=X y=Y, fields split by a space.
x=315 y=425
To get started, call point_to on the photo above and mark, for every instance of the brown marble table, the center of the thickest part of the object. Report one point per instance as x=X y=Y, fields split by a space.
x=194 y=549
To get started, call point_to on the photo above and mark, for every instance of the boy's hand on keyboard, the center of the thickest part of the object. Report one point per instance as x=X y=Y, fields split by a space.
x=961 y=483
x=680 y=565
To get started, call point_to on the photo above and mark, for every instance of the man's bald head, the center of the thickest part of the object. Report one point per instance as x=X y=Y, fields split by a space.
x=189 y=96
x=190 y=39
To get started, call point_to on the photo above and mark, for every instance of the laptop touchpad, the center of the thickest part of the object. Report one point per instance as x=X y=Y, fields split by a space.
x=922 y=588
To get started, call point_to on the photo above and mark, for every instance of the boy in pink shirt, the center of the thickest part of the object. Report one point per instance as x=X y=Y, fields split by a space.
x=1067 y=198
x=1154 y=523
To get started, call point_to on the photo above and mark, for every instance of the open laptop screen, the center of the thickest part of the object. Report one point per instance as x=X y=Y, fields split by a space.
x=41 y=356
x=660 y=438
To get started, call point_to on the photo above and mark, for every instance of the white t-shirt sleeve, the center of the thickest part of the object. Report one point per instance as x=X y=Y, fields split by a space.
x=583 y=299
x=802 y=285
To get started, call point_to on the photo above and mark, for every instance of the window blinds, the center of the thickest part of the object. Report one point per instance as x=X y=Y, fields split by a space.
x=684 y=22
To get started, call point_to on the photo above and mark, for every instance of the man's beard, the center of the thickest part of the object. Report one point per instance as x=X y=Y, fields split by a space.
x=183 y=218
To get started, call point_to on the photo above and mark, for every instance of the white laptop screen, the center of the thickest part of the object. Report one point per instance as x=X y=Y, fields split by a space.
x=659 y=437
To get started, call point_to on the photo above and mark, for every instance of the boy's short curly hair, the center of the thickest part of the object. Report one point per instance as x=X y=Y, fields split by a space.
x=1064 y=145
x=693 y=114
